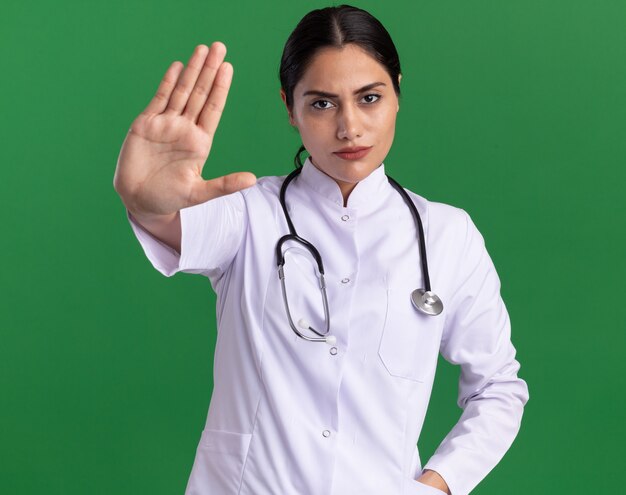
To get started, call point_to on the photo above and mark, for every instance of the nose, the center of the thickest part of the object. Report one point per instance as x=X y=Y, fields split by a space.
x=349 y=125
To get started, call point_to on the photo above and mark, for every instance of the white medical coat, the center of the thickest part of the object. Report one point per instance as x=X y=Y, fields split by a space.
x=289 y=416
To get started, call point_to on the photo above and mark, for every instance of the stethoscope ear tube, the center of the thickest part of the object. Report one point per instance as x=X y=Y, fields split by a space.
x=280 y=257
x=323 y=337
x=280 y=261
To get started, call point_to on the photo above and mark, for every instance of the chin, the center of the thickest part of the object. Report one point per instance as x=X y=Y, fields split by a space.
x=360 y=170
x=347 y=171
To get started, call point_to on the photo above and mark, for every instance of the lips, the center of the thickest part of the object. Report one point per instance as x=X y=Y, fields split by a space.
x=353 y=153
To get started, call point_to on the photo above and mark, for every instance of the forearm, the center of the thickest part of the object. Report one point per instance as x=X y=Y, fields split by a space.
x=477 y=337
x=485 y=431
x=166 y=228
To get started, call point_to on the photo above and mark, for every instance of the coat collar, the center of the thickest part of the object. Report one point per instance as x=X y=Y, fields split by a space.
x=368 y=191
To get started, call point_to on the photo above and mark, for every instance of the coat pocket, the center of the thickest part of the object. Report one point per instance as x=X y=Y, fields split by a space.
x=219 y=462
x=409 y=346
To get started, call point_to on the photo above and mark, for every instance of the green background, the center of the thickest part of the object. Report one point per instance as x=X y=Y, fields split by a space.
x=514 y=111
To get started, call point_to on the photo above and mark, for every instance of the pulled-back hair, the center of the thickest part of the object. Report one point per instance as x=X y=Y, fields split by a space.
x=334 y=27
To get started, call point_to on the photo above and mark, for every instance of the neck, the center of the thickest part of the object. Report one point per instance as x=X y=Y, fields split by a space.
x=346 y=188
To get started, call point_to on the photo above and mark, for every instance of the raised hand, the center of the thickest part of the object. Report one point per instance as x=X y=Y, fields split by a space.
x=160 y=164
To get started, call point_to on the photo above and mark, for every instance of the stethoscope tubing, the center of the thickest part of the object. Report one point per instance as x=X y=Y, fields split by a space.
x=423 y=299
x=314 y=251
x=420 y=230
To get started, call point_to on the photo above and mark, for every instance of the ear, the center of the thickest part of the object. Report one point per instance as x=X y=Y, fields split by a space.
x=283 y=97
x=399 y=79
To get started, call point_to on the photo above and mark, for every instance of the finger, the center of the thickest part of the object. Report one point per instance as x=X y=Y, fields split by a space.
x=187 y=81
x=204 y=190
x=203 y=86
x=162 y=96
x=214 y=105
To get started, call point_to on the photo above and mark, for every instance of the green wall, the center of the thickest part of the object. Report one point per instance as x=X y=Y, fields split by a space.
x=514 y=111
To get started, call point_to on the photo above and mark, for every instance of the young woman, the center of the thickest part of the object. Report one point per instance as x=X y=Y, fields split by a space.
x=328 y=328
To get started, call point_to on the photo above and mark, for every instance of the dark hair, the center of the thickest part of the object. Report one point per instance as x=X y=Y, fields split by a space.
x=334 y=27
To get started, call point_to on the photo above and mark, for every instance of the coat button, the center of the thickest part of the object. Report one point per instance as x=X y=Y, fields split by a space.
x=333 y=351
x=345 y=280
x=326 y=433
x=345 y=218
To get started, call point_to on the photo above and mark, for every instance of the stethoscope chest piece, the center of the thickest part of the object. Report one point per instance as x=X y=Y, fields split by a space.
x=427 y=302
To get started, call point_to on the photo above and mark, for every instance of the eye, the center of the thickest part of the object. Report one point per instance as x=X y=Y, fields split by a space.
x=321 y=104
x=371 y=98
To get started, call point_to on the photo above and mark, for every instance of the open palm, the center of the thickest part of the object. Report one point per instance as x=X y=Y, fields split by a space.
x=159 y=169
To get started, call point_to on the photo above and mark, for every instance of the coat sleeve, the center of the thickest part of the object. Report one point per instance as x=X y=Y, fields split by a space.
x=211 y=235
x=477 y=336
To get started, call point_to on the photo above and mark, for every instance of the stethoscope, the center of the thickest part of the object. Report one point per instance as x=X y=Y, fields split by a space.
x=424 y=300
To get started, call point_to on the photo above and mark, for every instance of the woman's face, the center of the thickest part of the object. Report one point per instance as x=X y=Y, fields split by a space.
x=344 y=100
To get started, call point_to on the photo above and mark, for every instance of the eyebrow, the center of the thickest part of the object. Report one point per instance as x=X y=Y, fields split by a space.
x=325 y=94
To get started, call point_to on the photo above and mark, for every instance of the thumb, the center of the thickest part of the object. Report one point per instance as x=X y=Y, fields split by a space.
x=204 y=190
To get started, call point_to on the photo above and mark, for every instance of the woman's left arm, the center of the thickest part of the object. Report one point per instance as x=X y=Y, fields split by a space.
x=477 y=336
